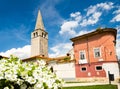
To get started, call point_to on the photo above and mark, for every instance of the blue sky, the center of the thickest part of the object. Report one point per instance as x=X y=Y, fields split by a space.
x=63 y=19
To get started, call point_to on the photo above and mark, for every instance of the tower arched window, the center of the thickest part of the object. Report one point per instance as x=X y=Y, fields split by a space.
x=33 y=34
x=36 y=34
x=42 y=34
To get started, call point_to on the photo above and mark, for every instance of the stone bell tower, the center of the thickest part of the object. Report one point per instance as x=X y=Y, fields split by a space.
x=39 y=39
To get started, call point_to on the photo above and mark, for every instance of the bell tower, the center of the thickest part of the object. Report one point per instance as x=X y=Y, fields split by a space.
x=39 y=38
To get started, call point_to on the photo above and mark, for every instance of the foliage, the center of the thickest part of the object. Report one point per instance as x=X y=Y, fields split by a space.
x=67 y=58
x=93 y=87
x=15 y=74
x=99 y=28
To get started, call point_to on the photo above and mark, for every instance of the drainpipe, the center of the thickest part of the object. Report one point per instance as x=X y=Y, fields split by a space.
x=105 y=52
x=88 y=52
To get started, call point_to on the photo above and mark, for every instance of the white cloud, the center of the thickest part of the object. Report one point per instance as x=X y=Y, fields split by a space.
x=95 y=12
x=70 y=25
x=21 y=53
x=118 y=48
x=117 y=11
x=117 y=16
x=92 y=19
x=76 y=16
x=118 y=42
x=106 y=6
x=99 y=7
x=60 y=49
x=118 y=31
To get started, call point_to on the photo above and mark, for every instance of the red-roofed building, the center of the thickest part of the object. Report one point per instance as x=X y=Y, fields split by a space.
x=95 y=54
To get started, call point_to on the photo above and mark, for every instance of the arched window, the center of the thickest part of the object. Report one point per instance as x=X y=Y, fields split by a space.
x=42 y=34
x=36 y=34
x=33 y=34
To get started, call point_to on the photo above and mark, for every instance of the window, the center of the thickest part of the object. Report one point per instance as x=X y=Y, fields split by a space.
x=42 y=34
x=33 y=34
x=36 y=34
x=83 y=69
x=98 y=67
x=97 y=52
x=82 y=55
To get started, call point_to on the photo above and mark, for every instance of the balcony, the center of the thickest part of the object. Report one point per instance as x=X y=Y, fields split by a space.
x=82 y=61
x=100 y=59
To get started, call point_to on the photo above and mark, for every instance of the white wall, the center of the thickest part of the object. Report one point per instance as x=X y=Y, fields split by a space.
x=64 y=70
x=113 y=68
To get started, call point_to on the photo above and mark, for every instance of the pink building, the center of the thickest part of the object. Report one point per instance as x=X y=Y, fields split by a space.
x=95 y=54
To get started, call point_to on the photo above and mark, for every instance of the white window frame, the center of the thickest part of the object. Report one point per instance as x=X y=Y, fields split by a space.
x=99 y=52
x=98 y=66
x=83 y=51
x=83 y=67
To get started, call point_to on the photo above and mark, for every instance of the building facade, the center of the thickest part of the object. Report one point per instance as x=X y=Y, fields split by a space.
x=39 y=39
x=95 y=54
x=63 y=67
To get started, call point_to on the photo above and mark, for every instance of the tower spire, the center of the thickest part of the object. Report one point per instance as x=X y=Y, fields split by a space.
x=39 y=22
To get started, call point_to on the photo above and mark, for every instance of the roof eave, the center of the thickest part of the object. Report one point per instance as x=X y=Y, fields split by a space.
x=94 y=33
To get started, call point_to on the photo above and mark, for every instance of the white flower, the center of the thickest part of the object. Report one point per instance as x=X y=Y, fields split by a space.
x=24 y=74
x=23 y=86
x=38 y=75
x=6 y=87
x=1 y=75
x=38 y=85
x=19 y=81
x=31 y=80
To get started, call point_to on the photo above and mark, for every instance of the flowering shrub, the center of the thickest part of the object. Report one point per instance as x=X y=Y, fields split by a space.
x=15 y=74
